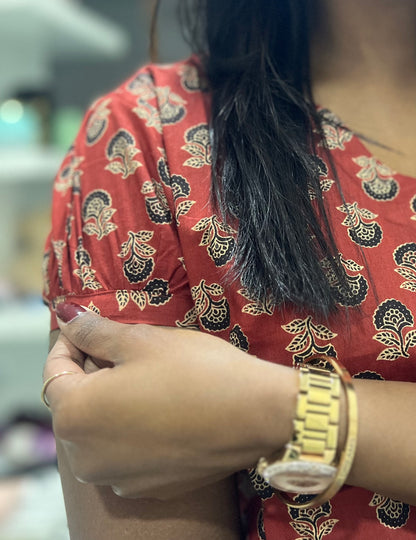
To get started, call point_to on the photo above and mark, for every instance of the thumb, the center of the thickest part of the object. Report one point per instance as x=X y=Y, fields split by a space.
x=96 y=336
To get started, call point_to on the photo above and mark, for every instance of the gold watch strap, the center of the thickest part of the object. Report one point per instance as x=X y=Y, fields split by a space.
x=316 y=421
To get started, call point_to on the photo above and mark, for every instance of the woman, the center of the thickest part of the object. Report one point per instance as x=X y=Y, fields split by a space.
x=305 y=246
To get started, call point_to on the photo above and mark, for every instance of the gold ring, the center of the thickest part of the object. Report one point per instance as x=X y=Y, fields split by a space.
x=48 y=382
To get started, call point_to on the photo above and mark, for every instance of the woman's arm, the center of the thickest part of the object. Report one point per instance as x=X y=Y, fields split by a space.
x=96 y=513
x=204 y=408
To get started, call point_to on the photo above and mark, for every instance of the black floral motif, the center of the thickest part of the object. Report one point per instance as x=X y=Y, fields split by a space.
x=198 y=144
x=191 y=80
x=238 y=338
x=97 y=210
x=84 y=271
x=120 y=152
x=213 y=315
x=391 y=318
x=390 y=512
x=364 y=234
x=157 y=206
x=98 y=122
x=377 y=179
x=140 y=263
x=260 y=525
x=305 y=521
x=413 y=207
x=356 y=291
x=405 y=257
x=171 y=106
x=69 y=176
x=262 y=488
x=218 y=237
x=320 y=170
x=305 y=343
x=158 y=292
x=372 y=375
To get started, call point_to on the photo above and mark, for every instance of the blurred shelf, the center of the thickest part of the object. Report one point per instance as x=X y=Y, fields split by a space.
x=72 y=30
x=24 y=324
x=29 y=165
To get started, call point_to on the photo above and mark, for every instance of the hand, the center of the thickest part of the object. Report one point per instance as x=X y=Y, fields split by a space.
x=178 y=410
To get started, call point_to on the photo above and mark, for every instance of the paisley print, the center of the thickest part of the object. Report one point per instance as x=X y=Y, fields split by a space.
x=405 y=258
x=218 y=237
x=140 y=263
x=198 y=144
x=322 y=171
x=362 y=233
x=391 y=318
x=377 y=179
x=390 y=513
x=308 y=523
x=171 y=106
x=97 y=213
x=157 y=206
x=307 y=338
x=256 y=307
x=155 y=293
x=120 y=152
x=191 y=79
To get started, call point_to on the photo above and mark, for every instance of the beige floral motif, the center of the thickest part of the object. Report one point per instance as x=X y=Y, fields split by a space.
x=156 y=293
x=306 y=521
x=190 y=79
x=405 y=258
x=213 y=315
x=69 y=176
x=364 y=234
x=45 y=273
x=377 y=179
x=92 y=307
x=84 y=271
x=218 y=237
x=354 y=292
x=140 y=263
x=390 y=319
x=149 y=113
x=335 y=134
x=98 y=122
x=305 y=343
x=97 y=213
x=120 y=152
x=198 y=144
x=256 y=307
x=171 y=105
x=391 y=513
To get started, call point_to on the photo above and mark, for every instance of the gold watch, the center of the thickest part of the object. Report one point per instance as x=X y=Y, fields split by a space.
x=308 y=462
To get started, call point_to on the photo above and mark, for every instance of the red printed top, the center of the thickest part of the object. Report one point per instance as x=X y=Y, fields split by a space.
x=134 y=237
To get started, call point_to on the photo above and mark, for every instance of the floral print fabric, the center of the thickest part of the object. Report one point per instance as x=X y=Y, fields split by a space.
x=135 y=238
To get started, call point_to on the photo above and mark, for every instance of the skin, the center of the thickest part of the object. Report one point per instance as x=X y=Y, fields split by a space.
x=144 y=463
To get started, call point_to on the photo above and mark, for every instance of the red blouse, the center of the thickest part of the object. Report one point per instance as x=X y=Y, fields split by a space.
x=134 y=237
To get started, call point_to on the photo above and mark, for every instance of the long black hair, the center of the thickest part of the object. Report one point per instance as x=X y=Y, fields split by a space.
x=255 y=54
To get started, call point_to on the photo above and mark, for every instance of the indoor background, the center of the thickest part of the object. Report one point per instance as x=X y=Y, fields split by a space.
x=56 y=58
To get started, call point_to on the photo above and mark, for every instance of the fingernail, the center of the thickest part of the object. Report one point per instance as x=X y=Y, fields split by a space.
x=68 y=311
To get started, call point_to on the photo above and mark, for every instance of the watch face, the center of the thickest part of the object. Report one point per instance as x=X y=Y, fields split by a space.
x=299 y=476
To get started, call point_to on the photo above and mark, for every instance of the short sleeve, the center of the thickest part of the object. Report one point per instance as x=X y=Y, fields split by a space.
x=113 y=245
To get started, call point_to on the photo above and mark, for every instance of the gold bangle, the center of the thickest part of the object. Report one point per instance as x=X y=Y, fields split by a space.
x=43 y=397
x=347 y=454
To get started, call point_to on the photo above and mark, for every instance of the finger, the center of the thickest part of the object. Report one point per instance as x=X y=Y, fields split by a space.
x=96 y=336
x=63 y=358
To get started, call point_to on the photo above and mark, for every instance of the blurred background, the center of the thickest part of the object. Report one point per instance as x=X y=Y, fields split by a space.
x=56 y=57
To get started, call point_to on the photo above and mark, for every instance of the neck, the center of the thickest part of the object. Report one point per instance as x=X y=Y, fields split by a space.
x=365 y=40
